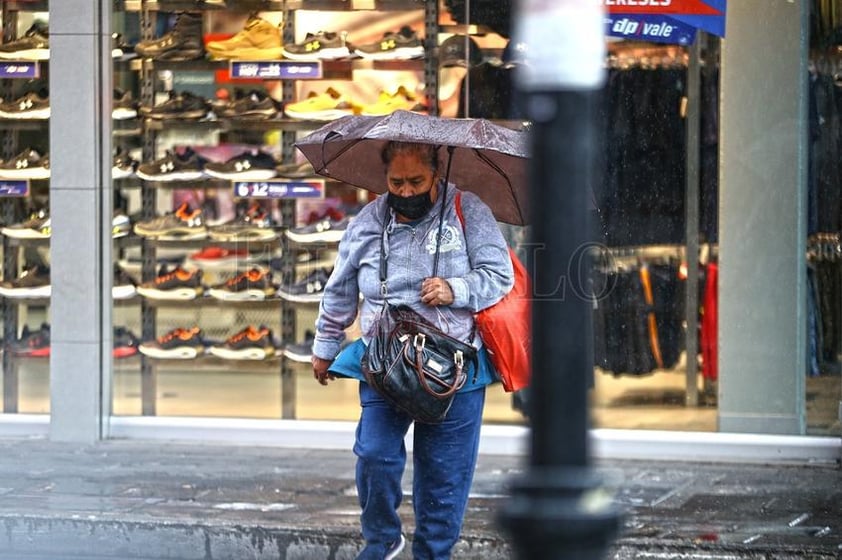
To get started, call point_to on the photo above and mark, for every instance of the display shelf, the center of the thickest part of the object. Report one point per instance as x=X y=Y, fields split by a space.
x=28 y=6
x=28 y=301
x=205 y=300
x=24 y=124
x=188 y=5
x=210 y=359
x=206 y=125
x=35 y=242
x=202 y=184
x=351 y=5
x=200 y=243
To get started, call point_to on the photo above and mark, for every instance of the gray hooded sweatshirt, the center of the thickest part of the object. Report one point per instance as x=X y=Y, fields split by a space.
x=474 y=261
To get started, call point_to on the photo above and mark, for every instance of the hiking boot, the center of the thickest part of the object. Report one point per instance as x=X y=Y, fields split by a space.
x=184 y=105
x=323 y=45
x=259 y=40
x=254 y=284
x=34 y=45
x=179 y=343
x=183 y=42
x=183 y=224
x=249 y=344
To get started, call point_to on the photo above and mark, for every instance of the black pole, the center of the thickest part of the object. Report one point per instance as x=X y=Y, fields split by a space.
x=558 y=509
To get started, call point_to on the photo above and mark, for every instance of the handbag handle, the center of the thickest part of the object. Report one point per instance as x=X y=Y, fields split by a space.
x=422 y=376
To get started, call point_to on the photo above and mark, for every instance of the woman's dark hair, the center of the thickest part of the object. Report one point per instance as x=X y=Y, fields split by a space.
x=428 y=153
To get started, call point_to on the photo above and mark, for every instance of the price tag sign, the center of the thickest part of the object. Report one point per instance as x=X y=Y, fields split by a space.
x=19 y=69
x=275 y=70
x=14 y=188
x=314 y=188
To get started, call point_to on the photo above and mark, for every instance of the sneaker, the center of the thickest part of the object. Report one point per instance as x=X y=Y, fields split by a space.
x=252 y=106
x=121 y=224
x=403 y=45
x=184 y=105
x=119 y=47
x=248 y=166
x=125 y=343
x=388 y=103
x=213 y=256
x=249 y=344
x=310 y=289
x=254 y=224
x=183 y=42
x=323 y=45
x=395 y=548
x=301 y=351
x=37 y=226
x=326 y=106
x=179 y=343
x=259 y=40
x=124 y=165
x=296 y=170
x=181 y=225
x=187 y=166
x=123 y=286
x=254 y=284
x=32 y=106
x=29 y=164
x=34 y=45
x=176 y=284
x=32 y=343
x=328 y=229
x=33 y=282
x=123 y=106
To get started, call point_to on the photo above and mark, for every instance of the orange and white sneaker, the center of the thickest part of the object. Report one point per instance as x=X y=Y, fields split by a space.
x=253 y=284
x=183 y=224
x=176 y=284
x=388 y=103
x=326 y=106
x=251 y=343
x=179 y=343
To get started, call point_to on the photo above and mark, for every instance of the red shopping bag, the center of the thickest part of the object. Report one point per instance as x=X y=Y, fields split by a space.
x=506 y=327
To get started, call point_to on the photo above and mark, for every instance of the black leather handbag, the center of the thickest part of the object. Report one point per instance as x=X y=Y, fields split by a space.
x=410 y=362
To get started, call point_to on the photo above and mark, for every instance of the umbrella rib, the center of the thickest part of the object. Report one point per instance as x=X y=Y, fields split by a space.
x=502 y=173
x=336 y=156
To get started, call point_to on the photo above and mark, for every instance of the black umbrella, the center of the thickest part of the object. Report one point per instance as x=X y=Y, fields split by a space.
x=485 y=158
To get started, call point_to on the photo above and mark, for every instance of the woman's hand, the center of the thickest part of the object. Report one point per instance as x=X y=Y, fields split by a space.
x=436 y=291
x=320 y=371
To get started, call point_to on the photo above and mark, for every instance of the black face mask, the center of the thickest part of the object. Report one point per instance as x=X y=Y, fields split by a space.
x=412 y=207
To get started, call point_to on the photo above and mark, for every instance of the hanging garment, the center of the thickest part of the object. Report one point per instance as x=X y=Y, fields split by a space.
x=710 y=310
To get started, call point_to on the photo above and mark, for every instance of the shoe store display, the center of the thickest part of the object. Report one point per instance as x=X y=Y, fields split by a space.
x=328 y=228
x=32 y=343
x=178 y=106
x=28 y=164
x=34 y=105
x=176 y=284
x=123 y=106
x=387 y=103
x=301 y=351
x=33 y=282
x=253 y=284
x=254 y=105
x=125 y=343
x=123 y=286
x=174 y=166
x=259 y=40
x=37 y=226
x=327 y=106
x=34 y=45
x=179 y=343
x=124 y=165
x=324 y=45
x=403 y=45
x=255 y=224
x=183 y=224
x=183 y=42
x=251 y=165
x=213 y=256
x=310 y=289
x=251 y=343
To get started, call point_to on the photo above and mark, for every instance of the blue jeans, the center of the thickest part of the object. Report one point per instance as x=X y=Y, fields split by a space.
x=444 y=458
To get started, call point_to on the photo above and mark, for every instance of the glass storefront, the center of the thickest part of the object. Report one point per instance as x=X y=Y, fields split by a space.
x=222 y=235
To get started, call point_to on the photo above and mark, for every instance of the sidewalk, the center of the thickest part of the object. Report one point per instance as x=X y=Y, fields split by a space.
x=133 y=500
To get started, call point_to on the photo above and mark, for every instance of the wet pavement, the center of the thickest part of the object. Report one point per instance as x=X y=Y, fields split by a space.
x=133 y=500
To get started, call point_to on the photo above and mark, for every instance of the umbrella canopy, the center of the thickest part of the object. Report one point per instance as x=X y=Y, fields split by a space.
x=487 y=159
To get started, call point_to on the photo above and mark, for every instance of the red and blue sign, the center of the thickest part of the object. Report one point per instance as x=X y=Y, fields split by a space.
x=664 y=21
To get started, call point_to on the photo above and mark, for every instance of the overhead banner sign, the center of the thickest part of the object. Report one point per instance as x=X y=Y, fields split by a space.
x=664 y=21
